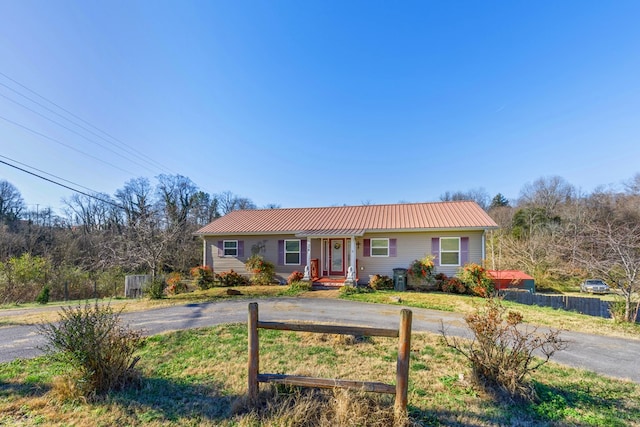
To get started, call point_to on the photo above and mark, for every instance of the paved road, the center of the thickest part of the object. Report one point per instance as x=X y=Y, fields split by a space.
x=610 y=356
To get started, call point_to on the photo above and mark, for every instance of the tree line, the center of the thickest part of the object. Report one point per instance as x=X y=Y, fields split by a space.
x=552 y=231
x=561 y=236
x=144 y=227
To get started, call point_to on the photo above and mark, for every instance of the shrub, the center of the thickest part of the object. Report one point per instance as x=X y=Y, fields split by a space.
x=155 y=288
x=381 y=282
x=351 y=290
x=454 y=285
x=421 y=269
x=43 y=296
x=502 y=352
x=203 y=276
x=99 y=348
x=296 y=276
x=299 y=286
x=231 y=278
x=175 y=285
x=476 y=279
x=440 y=279
x=263 y=271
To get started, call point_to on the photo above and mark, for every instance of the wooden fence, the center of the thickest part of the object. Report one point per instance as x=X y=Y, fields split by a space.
x=402 y=366
x=589 y=306
x=134 y=283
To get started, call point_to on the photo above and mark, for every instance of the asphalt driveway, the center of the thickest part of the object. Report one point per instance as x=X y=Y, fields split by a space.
x=615 y=357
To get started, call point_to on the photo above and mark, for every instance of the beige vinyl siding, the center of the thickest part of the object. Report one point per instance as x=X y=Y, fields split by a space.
x=269 y=251
x=411 y=246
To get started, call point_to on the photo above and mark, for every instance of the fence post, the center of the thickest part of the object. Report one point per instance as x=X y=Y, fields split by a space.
x=402 y=371
x=253 y=352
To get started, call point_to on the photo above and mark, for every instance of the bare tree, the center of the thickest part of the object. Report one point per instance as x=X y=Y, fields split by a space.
x=11 y=203
x=478 y=195
x=547 y=193
x=230 y=202
x=176 y=194
x=611 y=244
x=205 y=208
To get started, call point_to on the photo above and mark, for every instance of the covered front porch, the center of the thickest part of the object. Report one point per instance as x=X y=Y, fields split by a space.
x=332 y=257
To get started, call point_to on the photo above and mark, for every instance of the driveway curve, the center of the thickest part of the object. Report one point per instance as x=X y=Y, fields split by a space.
x=611 y=356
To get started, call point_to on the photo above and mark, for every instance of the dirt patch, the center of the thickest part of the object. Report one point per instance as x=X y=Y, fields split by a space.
x=322 y=293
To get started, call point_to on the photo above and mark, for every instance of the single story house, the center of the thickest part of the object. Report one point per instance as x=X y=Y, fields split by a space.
x=347 y=244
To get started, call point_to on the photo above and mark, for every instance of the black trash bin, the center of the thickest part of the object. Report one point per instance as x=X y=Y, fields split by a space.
x=400 y=279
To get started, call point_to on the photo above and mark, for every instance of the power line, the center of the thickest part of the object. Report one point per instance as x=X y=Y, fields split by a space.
x=64 y=186
x=121 y=144
x=71 y=130
x=65 y=145
x=50 y=174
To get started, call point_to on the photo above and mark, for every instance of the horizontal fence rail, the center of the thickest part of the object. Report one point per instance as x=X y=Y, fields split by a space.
x=402 y=366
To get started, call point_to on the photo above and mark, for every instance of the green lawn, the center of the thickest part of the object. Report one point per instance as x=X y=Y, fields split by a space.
x=199 y=377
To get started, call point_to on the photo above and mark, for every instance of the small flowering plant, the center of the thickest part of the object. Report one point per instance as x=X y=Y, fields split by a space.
x=263 y=271
x=175 y=285
x=203 y=276
x=477 y=280
x=422 y=268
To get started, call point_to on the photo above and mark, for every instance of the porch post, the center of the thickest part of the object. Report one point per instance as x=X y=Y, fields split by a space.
x=351 y=275
x=307 y=268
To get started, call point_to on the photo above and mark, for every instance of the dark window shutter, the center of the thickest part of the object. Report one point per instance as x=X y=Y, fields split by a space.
x=367 y=247
x=435 y=250
x=393 y=247
x=280 y=252
x=240 y=248
x=220 y=248
x=303 y=250
x=464 y=250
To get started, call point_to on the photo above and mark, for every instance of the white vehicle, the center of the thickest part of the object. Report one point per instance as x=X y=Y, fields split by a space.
x=594 y=286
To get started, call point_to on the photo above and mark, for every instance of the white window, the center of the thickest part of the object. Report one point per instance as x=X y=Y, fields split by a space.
x=380 y=247
x=449 y=251
x=292 y=252
x=230 y=248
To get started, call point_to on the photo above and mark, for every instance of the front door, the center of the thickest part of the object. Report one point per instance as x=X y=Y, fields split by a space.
x=336 y=257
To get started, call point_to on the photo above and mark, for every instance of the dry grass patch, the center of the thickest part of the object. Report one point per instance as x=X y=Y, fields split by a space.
x=465 y=304
x=199 y=377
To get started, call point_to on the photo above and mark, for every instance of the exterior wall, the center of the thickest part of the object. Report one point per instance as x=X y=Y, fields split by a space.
x=409 y=246
x=412 y=246
x=268 y=249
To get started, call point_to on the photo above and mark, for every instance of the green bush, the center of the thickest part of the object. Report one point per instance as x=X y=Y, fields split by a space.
x=381 y=282
x=476 y=279
x=263 y=271
x=43 y=296
x=232 y=278
x=203 y=276
x=454 y=285
x=99 y=348
x=299 y=286
x=155 y=288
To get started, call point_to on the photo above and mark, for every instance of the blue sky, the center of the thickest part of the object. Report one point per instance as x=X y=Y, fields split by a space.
x=314 y=103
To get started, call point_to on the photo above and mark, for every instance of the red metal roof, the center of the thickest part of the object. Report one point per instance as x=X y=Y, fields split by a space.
x=359 y=219
x=511 y=275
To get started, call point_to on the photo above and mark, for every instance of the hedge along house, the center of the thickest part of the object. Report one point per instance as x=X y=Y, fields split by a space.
x=347 y=244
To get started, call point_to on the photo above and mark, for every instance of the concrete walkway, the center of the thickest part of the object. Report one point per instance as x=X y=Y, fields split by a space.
x=615 y=357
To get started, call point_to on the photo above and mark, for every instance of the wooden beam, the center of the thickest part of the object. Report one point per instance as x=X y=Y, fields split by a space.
x=402 y=371
x=330 y=329
x=254 y=356
x=297 y=380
